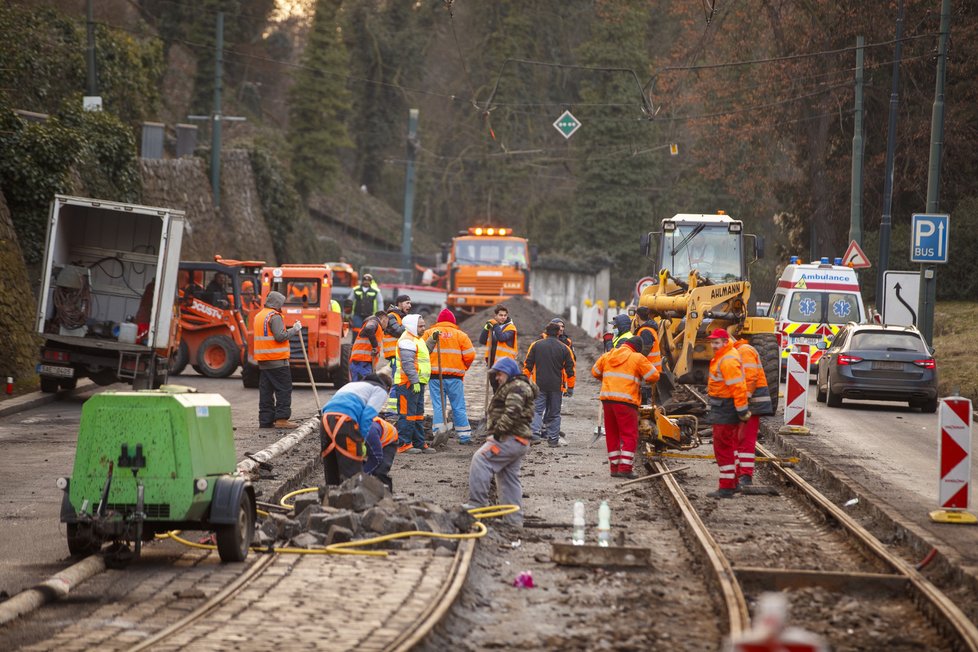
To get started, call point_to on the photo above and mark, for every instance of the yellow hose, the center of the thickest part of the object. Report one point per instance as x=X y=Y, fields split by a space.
x=349 y=547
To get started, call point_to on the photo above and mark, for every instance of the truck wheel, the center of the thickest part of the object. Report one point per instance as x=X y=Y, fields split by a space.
x=50 y=385
x=341 y=375
x=180 y=359
x=81 y=540
x=217 y=357
x=250 y=375
x=766 y=345
x=68 y=383
x=234 y=540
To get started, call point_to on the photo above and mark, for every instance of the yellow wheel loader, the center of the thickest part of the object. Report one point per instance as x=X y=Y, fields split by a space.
x=703 y=263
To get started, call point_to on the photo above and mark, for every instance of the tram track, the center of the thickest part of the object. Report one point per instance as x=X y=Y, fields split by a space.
x=742 y=563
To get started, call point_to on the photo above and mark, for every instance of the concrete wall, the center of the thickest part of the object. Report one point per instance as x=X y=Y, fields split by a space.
x=560 y=289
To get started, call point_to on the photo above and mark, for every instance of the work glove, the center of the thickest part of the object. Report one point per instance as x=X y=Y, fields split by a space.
x=489 y=325
x=376 y=353
x=434 y=336
x=297 y=326
x=745 y=417
x=416 y=388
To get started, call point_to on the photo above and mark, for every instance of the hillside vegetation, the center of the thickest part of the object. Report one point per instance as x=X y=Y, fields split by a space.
x=954 y=341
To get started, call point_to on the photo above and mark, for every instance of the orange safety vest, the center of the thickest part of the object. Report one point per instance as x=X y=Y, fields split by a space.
x=352 y=449
x=727 y=377
x=362 y=349
x=760 y=401
x=266 y=347
x=654 y=356
x=390 y=342
x=454 y=349
x=504 y=350
x=621 y=372
x=388 y=433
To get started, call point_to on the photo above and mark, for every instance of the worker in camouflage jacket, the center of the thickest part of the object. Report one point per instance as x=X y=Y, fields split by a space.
x=508 y=439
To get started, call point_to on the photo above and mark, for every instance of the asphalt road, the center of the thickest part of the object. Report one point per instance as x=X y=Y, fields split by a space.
x=38 y=447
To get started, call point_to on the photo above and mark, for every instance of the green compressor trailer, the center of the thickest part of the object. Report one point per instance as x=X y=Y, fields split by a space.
x=152 y=461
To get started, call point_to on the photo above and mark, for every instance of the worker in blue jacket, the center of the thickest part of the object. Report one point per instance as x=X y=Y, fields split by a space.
x=346 y=420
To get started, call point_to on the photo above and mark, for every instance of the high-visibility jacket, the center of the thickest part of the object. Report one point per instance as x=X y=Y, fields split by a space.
x=390 y=341
x=266 y=347
x=759 y=397
x=334 y=305
x=727 y=386
x=365 y=302
x=654 y=355
x=621 y=338
x=422 y=360
x=388 y=433
x=363 y=348
x=621 y=372
x=454 y=348
x=506 y=349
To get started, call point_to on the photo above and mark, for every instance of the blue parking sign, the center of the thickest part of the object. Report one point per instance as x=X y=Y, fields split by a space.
x=929 y=238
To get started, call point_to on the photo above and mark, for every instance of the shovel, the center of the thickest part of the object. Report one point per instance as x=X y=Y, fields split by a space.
x=599 y=428
x=312 y=381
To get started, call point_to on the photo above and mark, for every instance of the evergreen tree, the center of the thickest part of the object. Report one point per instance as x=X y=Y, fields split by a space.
x=320 y=103
x=618 y=153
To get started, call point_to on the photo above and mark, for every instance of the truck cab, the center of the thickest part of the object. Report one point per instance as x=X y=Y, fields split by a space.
x=812 y=302
x=487 y=265
x=307 y=290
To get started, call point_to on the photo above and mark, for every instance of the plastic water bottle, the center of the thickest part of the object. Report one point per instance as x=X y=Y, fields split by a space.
x=578 y=538
x=604 y=524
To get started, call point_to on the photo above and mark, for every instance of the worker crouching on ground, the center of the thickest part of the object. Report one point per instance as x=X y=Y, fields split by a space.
x=729 y=410
x=368 y=346
x=272 y=354
x=759 y=402
x=346 y=420
x=621 y=372
x=413 y=373
x=507 y=440
x=452 y=356
x=548 y=363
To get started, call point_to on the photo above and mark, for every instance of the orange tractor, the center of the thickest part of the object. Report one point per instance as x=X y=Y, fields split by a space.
x=307 y=290
x=216 y=301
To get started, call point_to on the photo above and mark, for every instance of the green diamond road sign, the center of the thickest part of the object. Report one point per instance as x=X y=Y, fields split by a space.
x=567 y=124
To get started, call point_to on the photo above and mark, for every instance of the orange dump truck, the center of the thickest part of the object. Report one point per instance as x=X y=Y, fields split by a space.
x=486 y=265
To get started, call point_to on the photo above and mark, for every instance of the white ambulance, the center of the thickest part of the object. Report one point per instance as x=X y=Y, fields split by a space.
x=812 y=302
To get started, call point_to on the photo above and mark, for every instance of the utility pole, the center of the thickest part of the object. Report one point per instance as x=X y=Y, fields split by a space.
x=91 y=101
x=412 y=146
x=216 y=120
x=885 y=222
x=856 y=200
x=928 y=272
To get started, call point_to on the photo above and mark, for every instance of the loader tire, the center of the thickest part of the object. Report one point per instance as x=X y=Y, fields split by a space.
x=217 y=357
x=180 y=359
x=341 y=375
x=766 y=345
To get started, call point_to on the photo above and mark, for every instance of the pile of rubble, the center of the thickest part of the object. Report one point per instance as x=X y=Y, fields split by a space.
x=361 y=508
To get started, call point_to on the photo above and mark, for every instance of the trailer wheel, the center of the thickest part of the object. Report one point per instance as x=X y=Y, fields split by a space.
x=217 y=357
x=81 y=540
x=180 y=359
x=250 y=375
x=234 y=540
x=341 y=375
x=766 y=345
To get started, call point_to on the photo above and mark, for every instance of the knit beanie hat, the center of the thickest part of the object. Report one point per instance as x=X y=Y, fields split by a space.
x=447 y=315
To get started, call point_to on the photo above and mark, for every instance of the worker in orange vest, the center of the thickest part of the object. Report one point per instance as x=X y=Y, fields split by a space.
x=381 y=444
x=500 y=339
x=729 y=410
x=759 y=401
x=346 y=421
x=451 y=358
x=646 y=328
x=367 y=346
x=272 y=354
x=621 y=372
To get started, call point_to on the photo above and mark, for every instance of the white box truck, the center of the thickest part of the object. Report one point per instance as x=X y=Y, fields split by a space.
x=106 y=308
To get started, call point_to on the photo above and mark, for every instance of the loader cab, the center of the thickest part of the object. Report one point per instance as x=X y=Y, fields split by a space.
x=713 y=245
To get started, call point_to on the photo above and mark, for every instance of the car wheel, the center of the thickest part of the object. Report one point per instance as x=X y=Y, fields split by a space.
x=831 y=399
x=929 y=407
x=819 y=392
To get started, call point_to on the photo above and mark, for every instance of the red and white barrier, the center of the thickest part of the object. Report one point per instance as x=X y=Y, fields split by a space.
x=954 y=453
x=796 y=391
